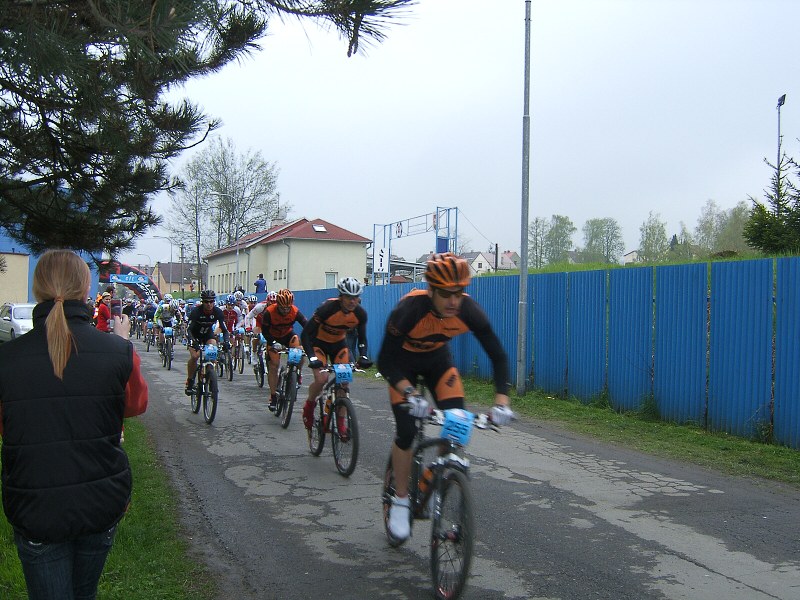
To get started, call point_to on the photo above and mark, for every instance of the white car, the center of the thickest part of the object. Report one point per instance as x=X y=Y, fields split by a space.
x=15 y=320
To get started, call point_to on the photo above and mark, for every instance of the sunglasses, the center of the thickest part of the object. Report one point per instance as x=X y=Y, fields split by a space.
x=445 y=294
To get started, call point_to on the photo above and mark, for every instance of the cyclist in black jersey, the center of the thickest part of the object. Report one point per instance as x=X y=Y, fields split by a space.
x=200 y=330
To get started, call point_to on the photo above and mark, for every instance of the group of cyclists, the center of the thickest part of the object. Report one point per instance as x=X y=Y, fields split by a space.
x=415 y=349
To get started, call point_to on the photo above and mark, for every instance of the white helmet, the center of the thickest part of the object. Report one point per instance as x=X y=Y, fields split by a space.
x=350 y=286
x=174 y=305
x=168 y=298
x=238 y=295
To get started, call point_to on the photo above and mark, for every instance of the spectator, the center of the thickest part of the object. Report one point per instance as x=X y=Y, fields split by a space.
x=261 y=284
x=104 y=313
x=66 y=479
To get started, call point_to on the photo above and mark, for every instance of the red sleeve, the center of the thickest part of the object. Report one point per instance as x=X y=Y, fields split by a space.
x=136 y=390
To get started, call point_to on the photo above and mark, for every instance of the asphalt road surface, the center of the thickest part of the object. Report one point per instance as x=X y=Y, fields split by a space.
x=559 y=516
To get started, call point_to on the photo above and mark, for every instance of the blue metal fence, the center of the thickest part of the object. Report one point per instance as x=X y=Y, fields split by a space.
x=699 y=343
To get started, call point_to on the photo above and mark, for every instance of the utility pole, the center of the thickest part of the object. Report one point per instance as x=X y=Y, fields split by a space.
x=183 y=286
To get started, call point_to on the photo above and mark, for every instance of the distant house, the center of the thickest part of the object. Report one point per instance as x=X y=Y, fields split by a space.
x=304 y=254
x=176 y=277
x=630 y=257
x=479 y=262
x=507 y=260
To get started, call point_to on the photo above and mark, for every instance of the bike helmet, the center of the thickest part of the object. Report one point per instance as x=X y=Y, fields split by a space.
x=350 y=286
x=252 y=299
x=230 y=299
x=238 y=296
x=272 y=297
x=167 y=298
x=446 y=270
x=285 y=298
x=208 y=295
x=174 y=305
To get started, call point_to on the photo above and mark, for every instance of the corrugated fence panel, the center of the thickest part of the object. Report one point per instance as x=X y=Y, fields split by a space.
x=787 y=354
x=379 y=301
x=549 y=293
x=498 y=296
x=679 y=384
x=630 y=336
x=586 y=354
x=740 y=353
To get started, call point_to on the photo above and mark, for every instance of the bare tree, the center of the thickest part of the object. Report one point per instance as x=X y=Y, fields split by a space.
x=537 y=234
x=653 y=244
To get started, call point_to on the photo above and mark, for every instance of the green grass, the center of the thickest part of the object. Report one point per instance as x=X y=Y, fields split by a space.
x=149 y=559
x=642 y=431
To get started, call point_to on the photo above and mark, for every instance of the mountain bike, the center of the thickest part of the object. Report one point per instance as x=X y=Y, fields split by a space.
x=224 y=361
x=289 y=379
x=168 y=348
x=238 y=350
x=139 y=326
x=150 y=336
x=439 y=489
x=259 y=366
x=206 y=390
x=335 y=400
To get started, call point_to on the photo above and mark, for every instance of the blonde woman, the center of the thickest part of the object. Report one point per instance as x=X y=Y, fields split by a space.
x=65 y=388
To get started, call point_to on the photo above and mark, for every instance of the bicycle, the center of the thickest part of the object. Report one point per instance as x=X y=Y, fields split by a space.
x=238 y=350
x=289 y=379
x=335 y=400
x=168 y=348
x=259 y=368
x=139 y=326
x=206 y=390
x=224 y=362
x=440 y=490
x=150 y=336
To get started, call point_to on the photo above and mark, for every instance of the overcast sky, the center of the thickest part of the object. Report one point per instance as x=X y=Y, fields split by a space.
x=636 y=106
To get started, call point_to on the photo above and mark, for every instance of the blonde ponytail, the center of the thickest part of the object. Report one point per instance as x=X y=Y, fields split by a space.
x=60 y=275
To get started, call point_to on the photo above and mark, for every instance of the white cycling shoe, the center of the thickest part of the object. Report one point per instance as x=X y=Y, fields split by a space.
x=400 y=518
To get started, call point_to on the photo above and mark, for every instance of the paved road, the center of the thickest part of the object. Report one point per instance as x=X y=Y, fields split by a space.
x=559 y=516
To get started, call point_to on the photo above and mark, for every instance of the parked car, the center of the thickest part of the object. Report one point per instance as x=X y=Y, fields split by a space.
x=15 y=320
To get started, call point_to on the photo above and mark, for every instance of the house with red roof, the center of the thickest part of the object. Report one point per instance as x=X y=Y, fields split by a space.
x=304 y=254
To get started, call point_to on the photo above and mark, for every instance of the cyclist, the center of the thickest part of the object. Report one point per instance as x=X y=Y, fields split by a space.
x=252 y=321
x=166 y=313
x=323 y=337
x=233 y=317
x=277 y=322
x=200 y=331
x=416 y=345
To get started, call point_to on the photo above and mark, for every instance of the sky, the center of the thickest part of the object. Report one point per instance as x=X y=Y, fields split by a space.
x=636 y=106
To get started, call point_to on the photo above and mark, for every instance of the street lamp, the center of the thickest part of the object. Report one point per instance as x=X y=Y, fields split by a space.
x=162 y=237
x=149 y=262
x=235 y=234
x=781 y=100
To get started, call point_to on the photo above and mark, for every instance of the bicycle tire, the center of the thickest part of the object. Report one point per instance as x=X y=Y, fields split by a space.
x=168 y=353
x=197 y=396
x=258 y=368
x=280 y=402
x=163 y=354
x=147 y=342
x=344 y=444
x=316 y=437
x=210 y=397
x=220 y=367
x=388 y=495
x=452 y=536
x=288 y=397
x=229 y=364
x=240 y=352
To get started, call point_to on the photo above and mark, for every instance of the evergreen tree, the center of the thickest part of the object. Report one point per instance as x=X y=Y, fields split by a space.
x=87 y=134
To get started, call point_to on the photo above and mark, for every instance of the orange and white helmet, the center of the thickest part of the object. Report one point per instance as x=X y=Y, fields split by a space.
x=447 y=270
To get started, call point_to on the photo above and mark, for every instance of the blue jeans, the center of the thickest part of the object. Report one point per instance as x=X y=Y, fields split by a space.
x=65 y=571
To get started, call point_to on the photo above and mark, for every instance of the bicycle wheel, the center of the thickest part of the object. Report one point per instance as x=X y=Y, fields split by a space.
x=316 y=437
x=388 y=495
x=168 y=353
x=288 y=396
x=229 y=364
x=240 y=353
x=210 y=396
x=344 y=436
x=452 y=536
x=163 y=352
x=220 y=367
x=147 y=340
x=279 y=391
x=258 y=368
x=197 y=395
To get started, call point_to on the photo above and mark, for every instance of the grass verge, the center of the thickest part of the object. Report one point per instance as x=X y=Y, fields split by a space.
x=149 y=559
x=638 y=430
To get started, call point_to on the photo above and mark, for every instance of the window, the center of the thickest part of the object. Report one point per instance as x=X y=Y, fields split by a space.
x=331 y=280
x=480 y=265
x=319 y=228
x=275 y=275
